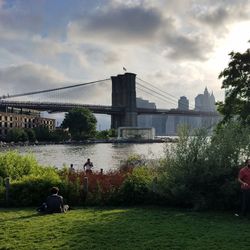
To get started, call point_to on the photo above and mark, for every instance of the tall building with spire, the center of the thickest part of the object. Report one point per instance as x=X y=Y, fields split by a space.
x=205 y=102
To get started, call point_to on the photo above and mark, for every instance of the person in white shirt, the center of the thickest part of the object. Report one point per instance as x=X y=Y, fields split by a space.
x=88 y=165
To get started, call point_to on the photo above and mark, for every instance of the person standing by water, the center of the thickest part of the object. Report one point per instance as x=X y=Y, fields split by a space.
x=244 y=180
x=88 y=165
x=71 y=168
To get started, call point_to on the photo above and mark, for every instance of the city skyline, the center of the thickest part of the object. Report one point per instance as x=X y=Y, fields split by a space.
x=180 y=46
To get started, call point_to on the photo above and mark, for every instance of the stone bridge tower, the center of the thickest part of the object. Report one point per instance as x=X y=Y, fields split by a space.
x=124 y=95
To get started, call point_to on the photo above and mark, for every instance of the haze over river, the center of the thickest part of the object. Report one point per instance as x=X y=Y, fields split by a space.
x=103 y=155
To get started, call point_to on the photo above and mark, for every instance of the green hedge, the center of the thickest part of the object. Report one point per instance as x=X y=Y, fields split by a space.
x=32 y=190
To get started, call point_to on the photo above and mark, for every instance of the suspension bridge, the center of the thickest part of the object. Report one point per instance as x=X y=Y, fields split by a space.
x=123 y=108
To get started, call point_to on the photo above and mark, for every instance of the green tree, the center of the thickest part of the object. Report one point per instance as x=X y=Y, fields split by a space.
x=42 y=133
x=236 y=82
x=31 y=134
x=59 y=135
x=112 y=132
x=106 y=134
x=16 y=135
x=81 y=123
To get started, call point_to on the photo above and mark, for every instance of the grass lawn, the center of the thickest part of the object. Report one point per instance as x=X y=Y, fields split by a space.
x=122 y=228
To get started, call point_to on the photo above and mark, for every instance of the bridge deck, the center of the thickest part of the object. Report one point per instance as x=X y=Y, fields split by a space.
x=99 y=109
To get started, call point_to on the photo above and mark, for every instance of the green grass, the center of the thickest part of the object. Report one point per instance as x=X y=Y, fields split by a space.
x=124 y=228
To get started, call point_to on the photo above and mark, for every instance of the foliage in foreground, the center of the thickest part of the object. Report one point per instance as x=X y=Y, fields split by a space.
x=30 y=182
x=201 y=172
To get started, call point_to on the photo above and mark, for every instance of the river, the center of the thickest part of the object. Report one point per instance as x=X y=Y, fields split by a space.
x=103 y=155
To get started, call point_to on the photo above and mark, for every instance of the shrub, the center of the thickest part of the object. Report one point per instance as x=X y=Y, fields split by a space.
x=72 y=192
x=200 y=172
x=136 y=188
x=42 y=133
x=15 y=165
x=104 y=134
x=31 y=134
x=102 y=188
x=16 y=135
x=2 y=193
x=59 y=135
x=32 y=190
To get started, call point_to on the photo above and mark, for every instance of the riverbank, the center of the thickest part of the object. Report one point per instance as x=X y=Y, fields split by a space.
x=91 y=141
x=122 y=228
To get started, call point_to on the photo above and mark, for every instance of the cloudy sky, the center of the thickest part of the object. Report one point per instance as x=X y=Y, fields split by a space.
x=180 y=46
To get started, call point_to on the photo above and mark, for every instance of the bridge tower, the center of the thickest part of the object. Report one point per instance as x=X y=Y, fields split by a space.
x=124 y=95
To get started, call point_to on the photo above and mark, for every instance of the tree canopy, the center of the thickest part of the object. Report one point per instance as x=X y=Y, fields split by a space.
x=236 y=82
x=81 y=123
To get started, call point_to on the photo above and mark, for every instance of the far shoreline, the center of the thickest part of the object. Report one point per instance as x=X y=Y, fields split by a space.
x=90 y=141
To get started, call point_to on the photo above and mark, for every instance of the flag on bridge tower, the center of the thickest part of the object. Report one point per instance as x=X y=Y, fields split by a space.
x=124 y=69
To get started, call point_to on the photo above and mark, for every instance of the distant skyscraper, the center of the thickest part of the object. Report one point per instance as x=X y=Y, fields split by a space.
x=212 y=102
x=199 y=102
x=144 y=120
x=205 y=102
x=183 y=103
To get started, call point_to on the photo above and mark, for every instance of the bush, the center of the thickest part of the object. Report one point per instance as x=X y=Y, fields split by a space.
x=102 y=188
x=42 y=133
x=200 y=172
x=15 y=165
x=104 y=134
x=16 y=135
x=59 y=135
x=2 y=194
x=72 y=192
x=136 y=188
x=32 y=190
x=31 y=134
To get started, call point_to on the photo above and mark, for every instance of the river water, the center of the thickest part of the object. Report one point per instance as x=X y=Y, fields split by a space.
x=103 y=155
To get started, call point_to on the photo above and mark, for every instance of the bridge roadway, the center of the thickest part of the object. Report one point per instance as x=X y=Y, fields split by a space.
x=53 y=107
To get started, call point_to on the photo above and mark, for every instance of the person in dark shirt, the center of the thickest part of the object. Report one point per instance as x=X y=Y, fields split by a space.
x=54 y=203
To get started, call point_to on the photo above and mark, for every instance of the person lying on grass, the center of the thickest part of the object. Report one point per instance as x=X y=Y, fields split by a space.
x=54 y=203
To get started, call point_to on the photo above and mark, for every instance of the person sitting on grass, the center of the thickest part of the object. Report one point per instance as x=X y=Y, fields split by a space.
x=54 y=203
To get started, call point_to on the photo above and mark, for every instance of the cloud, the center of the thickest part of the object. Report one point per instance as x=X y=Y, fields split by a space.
x=18 y=17
x=188 y=47
x=29 y=77
x=222 y=14
x=124 y=24
x=127 y=25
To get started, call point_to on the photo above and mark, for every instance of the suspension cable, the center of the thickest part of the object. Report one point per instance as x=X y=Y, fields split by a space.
x=167 y=99
x=171 y=96
x=150 y=93
x=51 y=90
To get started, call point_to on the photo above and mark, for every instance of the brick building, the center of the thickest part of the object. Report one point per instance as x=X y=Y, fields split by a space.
x=15 y=120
